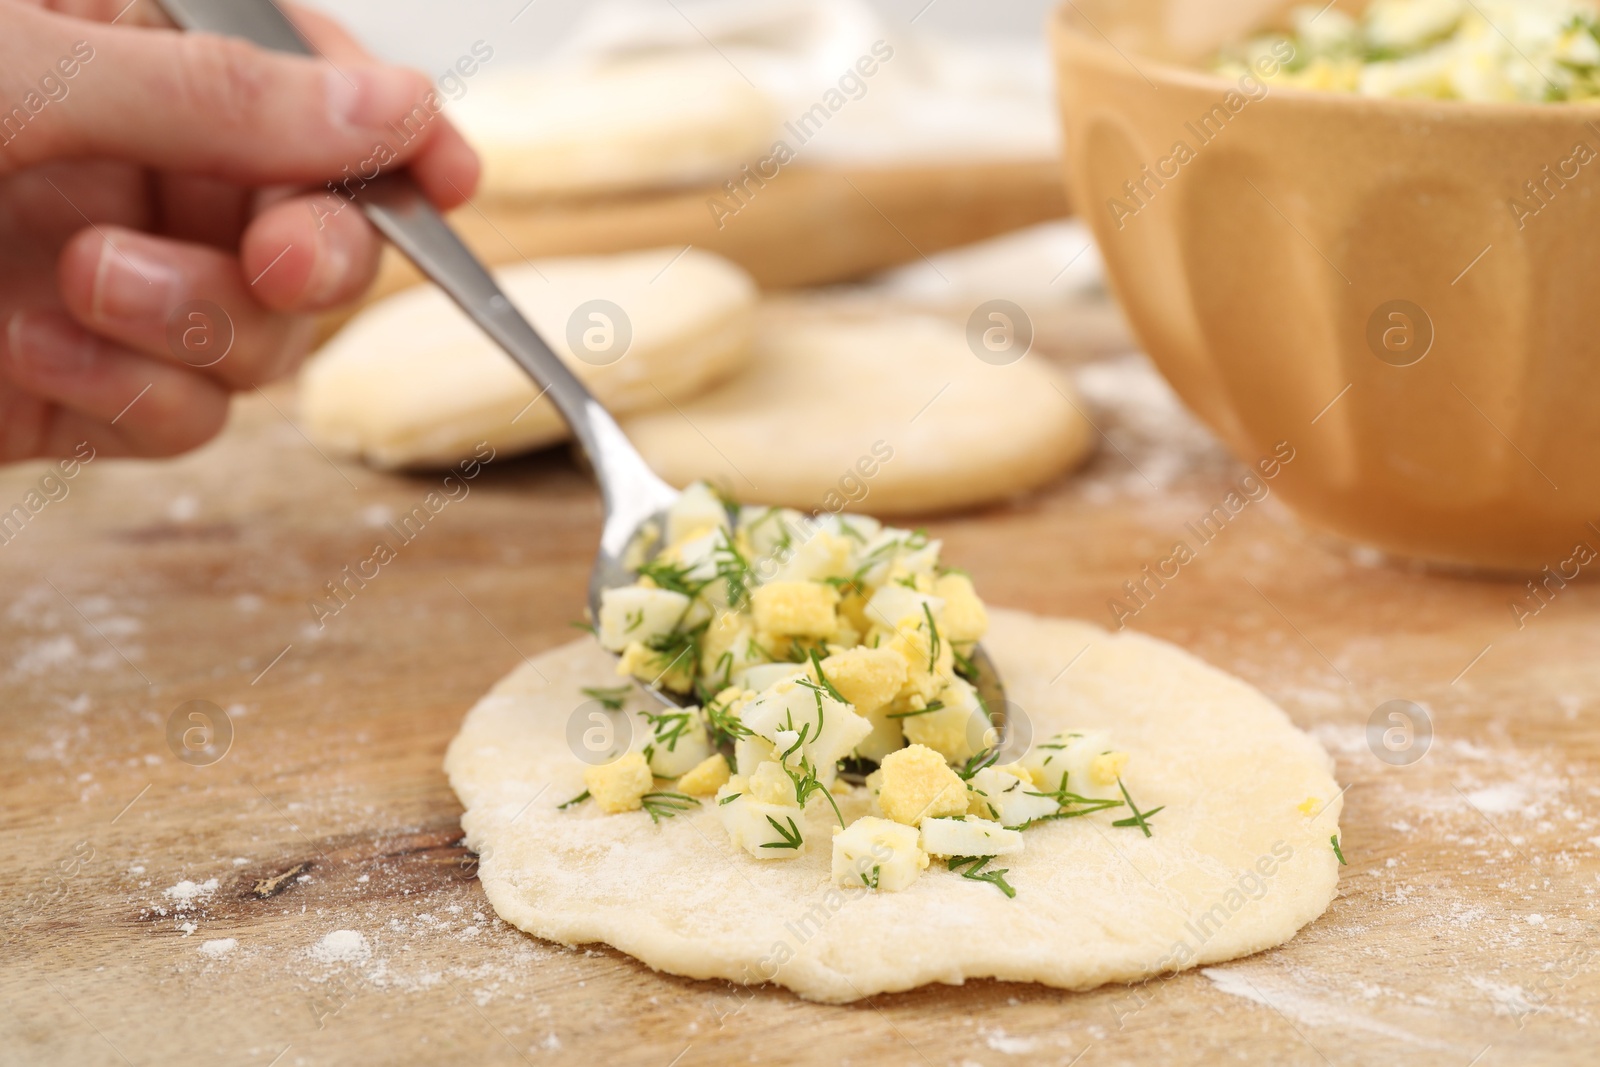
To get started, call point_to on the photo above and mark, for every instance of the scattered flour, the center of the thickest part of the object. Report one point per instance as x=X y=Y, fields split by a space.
x=1305 y=1002
x=43 y=655
x=342 y=946
x=186 y=894
x=1004 y=1043
x=218 y=947
x=1502 y=799
x=1507 y=999
x=1156 y=442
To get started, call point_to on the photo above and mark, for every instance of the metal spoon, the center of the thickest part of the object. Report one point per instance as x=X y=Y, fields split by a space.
x=634 y=498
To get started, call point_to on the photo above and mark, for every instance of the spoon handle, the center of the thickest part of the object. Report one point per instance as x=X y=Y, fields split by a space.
x=630 y=489
x=398 y=209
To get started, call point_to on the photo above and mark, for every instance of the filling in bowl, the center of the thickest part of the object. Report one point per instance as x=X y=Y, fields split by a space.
x=1485 y=50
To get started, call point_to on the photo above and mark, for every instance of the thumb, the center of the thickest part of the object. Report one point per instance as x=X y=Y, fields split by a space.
x=199 y=103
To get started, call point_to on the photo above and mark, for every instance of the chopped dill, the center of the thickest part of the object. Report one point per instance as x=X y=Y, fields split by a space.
x=791 y=836
x=1337 y=851
x=666 y=805
x=725 y=725
x=800 y=652
x=978 y=761
x=675 y=646
x=668 y=727
x=579 y=799
x=845 y=586
x=800 y=739
x=805 y=779
x=729 y=799
x=816 y=661
x=1070 y=805
x=975 y=870
x=672 y=576
x=735 y=570
x=937 y=705
x=586 y=627
x=1070 y=808
x=1141 y=819
x=611 y=699
x=872 y=882
x=933 y=637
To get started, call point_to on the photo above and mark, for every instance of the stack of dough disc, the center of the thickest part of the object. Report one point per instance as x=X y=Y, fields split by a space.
x=807 y=403
x=894 y=414
x=666 y=121
x=412 y=382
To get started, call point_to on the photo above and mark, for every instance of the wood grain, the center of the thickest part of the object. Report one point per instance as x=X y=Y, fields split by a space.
x=1465 y=931
x=808 y=226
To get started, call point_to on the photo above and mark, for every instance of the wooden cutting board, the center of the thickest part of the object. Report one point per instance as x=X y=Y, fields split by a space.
x=807 y=226
x=158 y=912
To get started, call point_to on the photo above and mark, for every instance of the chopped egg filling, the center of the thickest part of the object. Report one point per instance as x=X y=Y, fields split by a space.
x=877 y=854
x=708 y=776
x=968 y=836
x=811 y=643
x=1483 y=50
x=619 y=786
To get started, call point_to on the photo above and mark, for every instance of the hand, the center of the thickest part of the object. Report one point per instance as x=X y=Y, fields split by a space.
x=142 y=169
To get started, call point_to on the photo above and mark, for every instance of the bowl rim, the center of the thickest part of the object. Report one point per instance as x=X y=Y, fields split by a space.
x=1183 y=76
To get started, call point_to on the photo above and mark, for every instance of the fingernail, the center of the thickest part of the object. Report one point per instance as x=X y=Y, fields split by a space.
x=130 y=286
x=368 y=98
x=48 y=343
x=330 y=271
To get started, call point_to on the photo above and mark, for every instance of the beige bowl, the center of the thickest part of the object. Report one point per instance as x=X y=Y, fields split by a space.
x=1371 y=281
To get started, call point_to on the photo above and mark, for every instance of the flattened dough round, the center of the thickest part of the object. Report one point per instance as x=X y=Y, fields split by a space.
x=1094 y=903
x=412 y=382
x=622 y=125
x=824 y=386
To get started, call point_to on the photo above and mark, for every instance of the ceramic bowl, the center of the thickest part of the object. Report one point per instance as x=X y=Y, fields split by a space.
x=1400 y=292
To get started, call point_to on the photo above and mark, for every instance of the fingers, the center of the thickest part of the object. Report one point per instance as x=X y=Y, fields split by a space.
x=106 y=393
x=122 y=12
x=46 y=205
x=203 y=210
x=137 y=290
x=447 y=168
x=202 y=104
x=329 y=254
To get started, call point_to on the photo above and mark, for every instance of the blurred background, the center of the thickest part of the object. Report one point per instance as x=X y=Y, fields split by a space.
x=884 y=164
x=429 y=35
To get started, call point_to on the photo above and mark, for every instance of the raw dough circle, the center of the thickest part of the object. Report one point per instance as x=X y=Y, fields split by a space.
x=799 y=427
x=1233 y=867
x=412 y=382
x=617 y=126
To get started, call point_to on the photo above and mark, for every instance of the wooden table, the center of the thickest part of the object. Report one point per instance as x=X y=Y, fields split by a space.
x=1465 y=932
